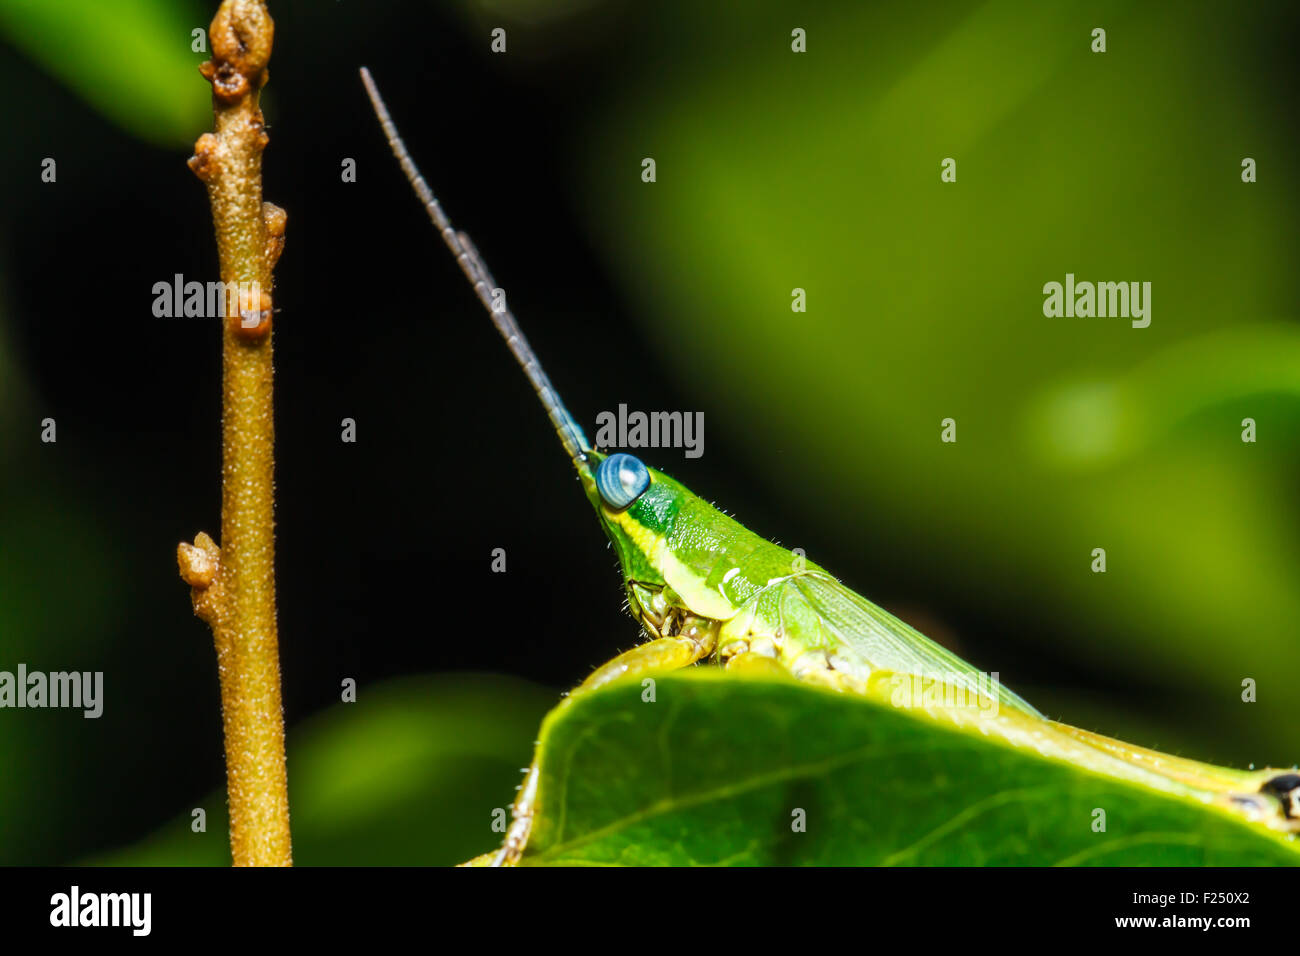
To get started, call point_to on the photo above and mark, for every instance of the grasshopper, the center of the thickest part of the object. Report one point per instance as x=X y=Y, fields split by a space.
x=704 y=587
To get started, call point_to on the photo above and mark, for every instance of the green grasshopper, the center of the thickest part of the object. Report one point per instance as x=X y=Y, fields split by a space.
x=706 y=588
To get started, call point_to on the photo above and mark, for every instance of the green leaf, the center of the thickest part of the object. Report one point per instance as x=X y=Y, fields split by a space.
x=714 y=771
x=129 y=59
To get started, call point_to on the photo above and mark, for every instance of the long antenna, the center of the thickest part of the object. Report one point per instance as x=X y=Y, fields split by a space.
x=575 y=442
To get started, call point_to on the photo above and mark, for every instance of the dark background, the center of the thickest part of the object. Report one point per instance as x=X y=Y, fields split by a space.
x=384 y=545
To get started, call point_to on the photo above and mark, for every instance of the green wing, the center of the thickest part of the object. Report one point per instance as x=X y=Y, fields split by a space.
x=880 y=639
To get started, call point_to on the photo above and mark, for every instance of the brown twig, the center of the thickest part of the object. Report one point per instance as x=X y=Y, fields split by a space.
x=233 y=586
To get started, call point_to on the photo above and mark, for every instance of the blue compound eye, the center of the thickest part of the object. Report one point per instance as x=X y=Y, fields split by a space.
x=621 y=479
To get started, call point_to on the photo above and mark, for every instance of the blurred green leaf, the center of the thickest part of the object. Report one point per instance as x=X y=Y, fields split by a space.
x=1086 y=424
x=129 y=59
x=712 y=770
x=410 y=774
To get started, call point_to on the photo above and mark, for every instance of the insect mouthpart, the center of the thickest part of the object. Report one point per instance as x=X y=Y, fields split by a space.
x=649 y=604
x=662 y=618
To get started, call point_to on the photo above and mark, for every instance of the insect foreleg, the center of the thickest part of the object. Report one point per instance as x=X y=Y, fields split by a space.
x=661 y=654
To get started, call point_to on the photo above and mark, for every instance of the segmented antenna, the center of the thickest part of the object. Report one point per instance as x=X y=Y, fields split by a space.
x=575 y=442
